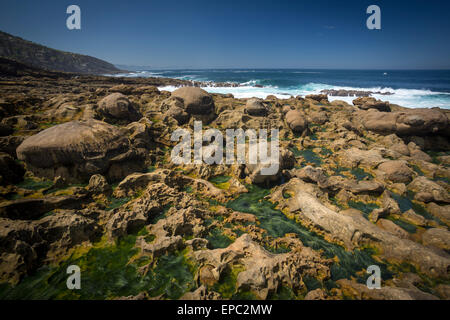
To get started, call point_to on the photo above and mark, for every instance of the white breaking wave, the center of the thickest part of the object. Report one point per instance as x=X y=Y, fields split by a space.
x=410 y=98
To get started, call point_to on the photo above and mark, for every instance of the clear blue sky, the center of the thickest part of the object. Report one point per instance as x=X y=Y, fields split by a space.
x=241 y=34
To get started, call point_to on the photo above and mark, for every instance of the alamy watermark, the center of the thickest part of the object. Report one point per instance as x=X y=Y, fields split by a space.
x=374 y=20
x=73 y=22
x=258 y=151
x=74 y=280
x=374 y=280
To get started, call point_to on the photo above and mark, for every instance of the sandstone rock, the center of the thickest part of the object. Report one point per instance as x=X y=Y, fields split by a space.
x=76 y=150
x=122 y=88
x=441 y=212
x=391 y=227
x=396 y=171
x=138 y=181
x=366 y=103
x=98 y=184
x=428 y=191
x=437 y=237
x=414 y=218
x=24 y=244
x=317 y=294
x=257 y=176
x=318 y=97
x=362 y=292
x=411 y=122
x=255 y=107
x=196 y=101
x=263 y=272
x=117 y=108
x=354 y=157
x=296 y=121
x=354 y=230
x=150 y=90
x=318 y=117
x=201 y=293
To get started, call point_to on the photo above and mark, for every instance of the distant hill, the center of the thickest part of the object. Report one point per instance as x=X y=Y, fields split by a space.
x=39 y=56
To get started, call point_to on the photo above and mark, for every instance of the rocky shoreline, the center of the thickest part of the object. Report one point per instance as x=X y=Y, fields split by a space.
x=86 y=179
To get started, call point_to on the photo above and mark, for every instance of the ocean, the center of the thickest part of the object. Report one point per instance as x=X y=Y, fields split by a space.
x=409 y=88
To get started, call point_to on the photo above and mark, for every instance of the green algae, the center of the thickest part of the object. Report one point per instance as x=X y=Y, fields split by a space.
x=108 y=271
x=277 y=225
x=116 y=203
x=365 y=208
x=219 y=179
x=217 y=239
x=404 y=225
x=35 y=185
x=360 y=174
x=308 y=154
x=226 y=285
x=220 y=182
x=407 y=203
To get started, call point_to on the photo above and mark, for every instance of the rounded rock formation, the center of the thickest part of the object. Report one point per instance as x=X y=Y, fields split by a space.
x=296 y=121
x=255 y=107
x=76 y=150
x=117 y=108
x=196 y=101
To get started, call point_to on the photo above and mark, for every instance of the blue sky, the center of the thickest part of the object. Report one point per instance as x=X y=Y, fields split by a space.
x=241 y=34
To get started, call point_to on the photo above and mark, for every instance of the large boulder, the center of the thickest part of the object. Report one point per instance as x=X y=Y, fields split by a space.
x=196 y=100
x=296 y=121
x=409 y=122
x=76 y=150
x=117 y=108
x=396 y=171
x=255 y=107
